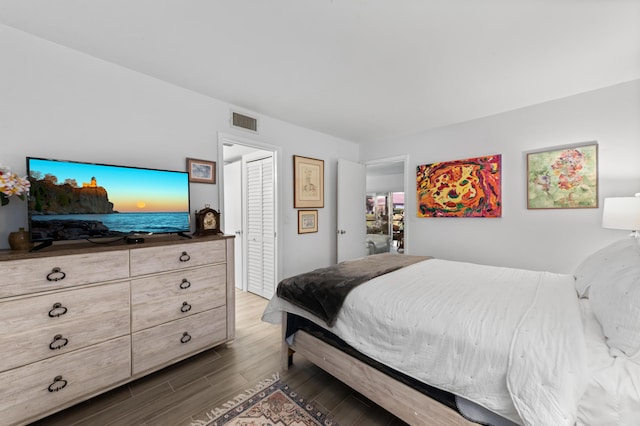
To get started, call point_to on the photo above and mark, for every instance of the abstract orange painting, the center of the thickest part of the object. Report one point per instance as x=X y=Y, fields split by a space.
x=461 y=188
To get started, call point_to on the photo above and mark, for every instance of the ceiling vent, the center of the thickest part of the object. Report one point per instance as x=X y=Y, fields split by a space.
x=244 y=121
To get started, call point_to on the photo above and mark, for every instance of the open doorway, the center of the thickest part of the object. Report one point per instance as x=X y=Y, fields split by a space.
x=385 y=206
x=249 y=211
x=385 y=218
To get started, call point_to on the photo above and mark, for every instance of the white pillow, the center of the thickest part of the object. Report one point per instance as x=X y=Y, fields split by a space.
x=601 y=265
x=612 y=280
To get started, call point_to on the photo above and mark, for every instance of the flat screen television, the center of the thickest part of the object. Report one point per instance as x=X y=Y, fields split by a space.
x=71 y=200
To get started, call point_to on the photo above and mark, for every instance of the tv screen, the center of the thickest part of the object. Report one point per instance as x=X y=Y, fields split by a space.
x=72 y=200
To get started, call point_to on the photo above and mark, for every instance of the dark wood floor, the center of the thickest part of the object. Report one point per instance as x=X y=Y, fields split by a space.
x=184 y=392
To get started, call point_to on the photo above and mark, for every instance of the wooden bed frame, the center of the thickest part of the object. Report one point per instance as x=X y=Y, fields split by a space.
x=399 y=399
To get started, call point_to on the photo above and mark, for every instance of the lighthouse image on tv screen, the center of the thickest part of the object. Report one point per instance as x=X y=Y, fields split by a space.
x=72 y=200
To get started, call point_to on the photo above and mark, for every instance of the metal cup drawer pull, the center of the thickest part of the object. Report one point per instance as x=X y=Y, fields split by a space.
x=57 y=310
x=185 y=284
x=58 y=342
x=185 y=337
x=58 y=384
x=185 y=307
x=56 y=274
x=184 y=257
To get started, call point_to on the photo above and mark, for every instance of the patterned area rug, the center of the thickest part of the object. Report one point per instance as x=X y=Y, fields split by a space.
x=270 y=402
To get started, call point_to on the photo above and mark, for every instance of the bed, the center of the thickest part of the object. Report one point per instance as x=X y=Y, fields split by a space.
x=509 y=346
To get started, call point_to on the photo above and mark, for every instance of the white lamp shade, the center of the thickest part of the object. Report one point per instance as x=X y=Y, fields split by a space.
x=621 y=213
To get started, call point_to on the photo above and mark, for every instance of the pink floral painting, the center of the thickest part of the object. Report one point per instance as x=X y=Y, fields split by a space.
x=461 y=188
x=563 y=178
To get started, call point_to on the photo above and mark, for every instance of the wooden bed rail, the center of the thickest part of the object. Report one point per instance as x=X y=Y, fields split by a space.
x=399 y=399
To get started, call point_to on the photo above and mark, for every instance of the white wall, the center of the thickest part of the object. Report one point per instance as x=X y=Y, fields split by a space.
x=385 y=183
x=58 y=103
x=555 y=240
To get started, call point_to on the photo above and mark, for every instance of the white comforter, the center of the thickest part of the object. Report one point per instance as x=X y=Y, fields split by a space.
x=508 y=339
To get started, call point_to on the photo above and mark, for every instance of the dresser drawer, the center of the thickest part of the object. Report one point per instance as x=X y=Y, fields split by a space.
x=158 y=345
x=163 y=298
x=168 y=258
x=30 y=391
x=61 y=322
x=27 y=276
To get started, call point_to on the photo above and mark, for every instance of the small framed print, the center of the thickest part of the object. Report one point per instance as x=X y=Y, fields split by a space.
x=202 y=171
x=307 y=221
x=308 y=182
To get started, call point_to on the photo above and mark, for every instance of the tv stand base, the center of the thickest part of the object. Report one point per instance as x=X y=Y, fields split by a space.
x=134 y=240
x=42 y=245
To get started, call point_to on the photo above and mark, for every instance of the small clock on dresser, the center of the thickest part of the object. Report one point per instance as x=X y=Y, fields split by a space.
x=207 y=221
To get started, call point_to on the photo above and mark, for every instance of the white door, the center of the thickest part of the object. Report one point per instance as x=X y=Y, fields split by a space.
x=260 y=227
x=232 y=216
x=352 y=227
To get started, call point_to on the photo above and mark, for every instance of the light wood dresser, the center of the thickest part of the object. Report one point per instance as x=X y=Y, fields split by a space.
x=80 y=319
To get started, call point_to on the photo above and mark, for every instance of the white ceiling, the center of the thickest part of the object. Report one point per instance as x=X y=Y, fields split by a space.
x=361 y=70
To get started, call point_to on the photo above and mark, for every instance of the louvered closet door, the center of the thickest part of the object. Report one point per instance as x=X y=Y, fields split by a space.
x=260 y=227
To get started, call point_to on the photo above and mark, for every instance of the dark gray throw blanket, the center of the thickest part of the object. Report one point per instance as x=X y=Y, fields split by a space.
x=322 y=291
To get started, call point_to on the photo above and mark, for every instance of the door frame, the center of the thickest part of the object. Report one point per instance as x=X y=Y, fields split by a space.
x=409 y=188
x=277 y=153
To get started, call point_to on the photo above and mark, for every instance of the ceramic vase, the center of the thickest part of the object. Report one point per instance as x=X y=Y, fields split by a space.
x=19 y=240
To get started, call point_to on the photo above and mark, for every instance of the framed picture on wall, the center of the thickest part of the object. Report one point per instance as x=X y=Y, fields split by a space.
x=461 y=188
x=563 y=178
x=202 y=171
x=308 y=182
x=307 y=221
